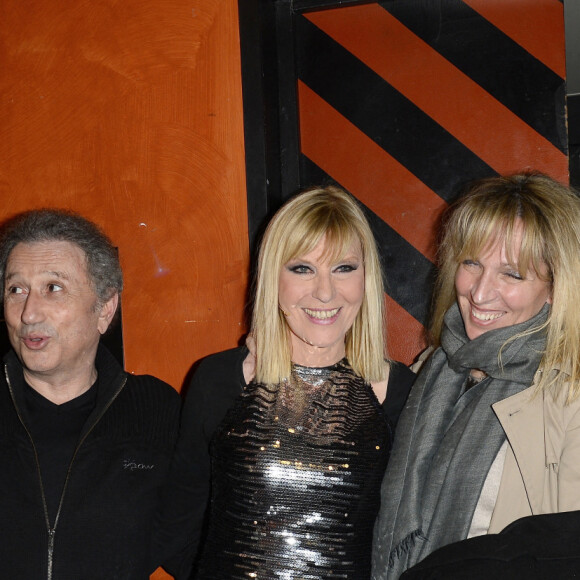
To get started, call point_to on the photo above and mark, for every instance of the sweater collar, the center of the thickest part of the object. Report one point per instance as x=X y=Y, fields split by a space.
x=110 y=376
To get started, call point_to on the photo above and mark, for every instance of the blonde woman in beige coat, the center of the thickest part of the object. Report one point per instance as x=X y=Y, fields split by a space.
x=491 y=430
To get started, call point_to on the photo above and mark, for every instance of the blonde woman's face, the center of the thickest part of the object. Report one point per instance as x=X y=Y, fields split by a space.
x=491 y=293
x=320 y=299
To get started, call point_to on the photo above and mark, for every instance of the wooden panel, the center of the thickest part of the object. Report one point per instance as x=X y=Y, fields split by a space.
x=131 y=113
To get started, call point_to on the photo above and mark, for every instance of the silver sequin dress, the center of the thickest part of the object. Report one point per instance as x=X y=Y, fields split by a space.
x=296 y=472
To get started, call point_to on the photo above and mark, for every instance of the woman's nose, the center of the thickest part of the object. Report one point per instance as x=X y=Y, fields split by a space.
x=324 y=288
x=483 y=288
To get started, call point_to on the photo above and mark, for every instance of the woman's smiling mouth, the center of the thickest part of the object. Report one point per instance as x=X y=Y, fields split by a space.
x=321 y=314
x=485 y=316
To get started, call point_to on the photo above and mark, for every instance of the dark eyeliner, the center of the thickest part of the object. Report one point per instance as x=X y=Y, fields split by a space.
x=299 y=269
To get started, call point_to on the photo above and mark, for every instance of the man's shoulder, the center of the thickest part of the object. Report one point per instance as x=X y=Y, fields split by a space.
x=152 y=383
x=145 y=406
x=152 y=389
x=112 y=374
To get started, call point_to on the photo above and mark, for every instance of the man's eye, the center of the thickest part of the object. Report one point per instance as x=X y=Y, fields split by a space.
x=15 y=290
x=54 y=288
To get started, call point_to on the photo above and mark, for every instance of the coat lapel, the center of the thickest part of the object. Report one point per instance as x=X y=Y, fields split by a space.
x=522 y=419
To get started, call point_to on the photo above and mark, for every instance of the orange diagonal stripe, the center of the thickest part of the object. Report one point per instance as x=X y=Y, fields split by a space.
x=537 y=26
x=442 y=91
x=368 y=172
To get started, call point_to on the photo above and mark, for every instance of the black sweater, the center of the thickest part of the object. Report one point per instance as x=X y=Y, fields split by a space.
x=103 y=527
x=215 y=386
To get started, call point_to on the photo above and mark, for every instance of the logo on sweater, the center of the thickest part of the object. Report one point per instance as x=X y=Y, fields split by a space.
x=132 y=465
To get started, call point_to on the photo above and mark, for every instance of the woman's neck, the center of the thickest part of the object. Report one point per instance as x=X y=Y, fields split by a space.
x=311 y=356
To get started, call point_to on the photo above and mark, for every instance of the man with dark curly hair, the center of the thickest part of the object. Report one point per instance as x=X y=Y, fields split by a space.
x=84 y=446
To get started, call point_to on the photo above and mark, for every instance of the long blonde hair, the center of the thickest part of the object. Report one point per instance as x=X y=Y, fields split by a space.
x=550 y=215
x=295 y=230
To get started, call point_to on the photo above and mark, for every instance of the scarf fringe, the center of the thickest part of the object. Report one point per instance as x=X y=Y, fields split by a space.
x=405 y=546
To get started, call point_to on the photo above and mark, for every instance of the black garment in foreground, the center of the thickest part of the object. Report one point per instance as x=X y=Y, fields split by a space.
x=543 y=547
x=216 y=385
x=103 y=527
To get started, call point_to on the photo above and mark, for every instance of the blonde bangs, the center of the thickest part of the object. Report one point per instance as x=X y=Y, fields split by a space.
x=339 y=237
x=481 y=227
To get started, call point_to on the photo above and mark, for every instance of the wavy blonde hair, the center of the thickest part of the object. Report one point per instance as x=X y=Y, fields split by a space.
x=295 y=230
x=549 y=212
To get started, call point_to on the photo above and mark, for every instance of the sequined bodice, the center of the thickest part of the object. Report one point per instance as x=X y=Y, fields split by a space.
x=296 y=474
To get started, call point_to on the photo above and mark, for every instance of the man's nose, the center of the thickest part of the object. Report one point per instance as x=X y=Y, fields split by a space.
x=33 y=310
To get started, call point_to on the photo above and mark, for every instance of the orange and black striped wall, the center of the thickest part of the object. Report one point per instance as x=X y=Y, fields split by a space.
x=400 y=102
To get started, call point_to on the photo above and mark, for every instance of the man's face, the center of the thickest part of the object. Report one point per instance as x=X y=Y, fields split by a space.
x=51 y=311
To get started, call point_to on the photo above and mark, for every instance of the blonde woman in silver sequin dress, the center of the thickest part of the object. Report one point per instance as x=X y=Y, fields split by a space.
x=291 y=446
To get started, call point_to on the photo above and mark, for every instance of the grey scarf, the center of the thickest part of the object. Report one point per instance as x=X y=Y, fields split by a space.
x=447 y=439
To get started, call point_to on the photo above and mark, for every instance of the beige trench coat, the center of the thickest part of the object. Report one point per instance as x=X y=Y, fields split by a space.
x=541 y=472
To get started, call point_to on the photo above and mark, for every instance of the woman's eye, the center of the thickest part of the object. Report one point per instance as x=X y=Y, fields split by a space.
x=515 y=275
x=469 y=263
x=345 y=268
x=300 y=269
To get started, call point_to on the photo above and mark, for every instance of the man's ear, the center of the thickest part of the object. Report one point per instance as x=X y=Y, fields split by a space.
x=107 y=312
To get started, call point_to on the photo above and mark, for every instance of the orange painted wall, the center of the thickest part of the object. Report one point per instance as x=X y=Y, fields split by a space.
x=130 y=112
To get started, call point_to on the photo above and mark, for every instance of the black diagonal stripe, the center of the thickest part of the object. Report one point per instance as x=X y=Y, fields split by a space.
x=409 y=275
x=503 y=68
x=386 y=116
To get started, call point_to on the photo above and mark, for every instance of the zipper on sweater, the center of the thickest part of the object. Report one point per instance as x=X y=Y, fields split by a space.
x=51 y=533
x=79 y=445
x=52 y=530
